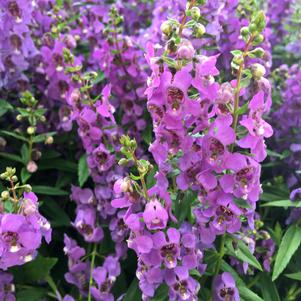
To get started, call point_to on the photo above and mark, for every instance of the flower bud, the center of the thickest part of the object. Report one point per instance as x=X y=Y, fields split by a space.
x=258 y=71
x=32 y=167
x=244 y=31
x=199 y=30
x=14 y=178
x=258 y=39
x=49 y=140
x=260 y=21
x=5 y=195
x=195 y=13
x=123 y=162
x=258 y=52
x=238 y=59
x=252 y=28
x=19 y=117
x=27 y=188
x=166 y=28
x=2 y=144
x=30 y=130
x=185 y=50
x=36 y=154
x=42 y=118
x=133 y=144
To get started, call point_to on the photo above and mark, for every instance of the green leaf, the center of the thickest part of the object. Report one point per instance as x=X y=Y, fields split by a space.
x=135 y=178
x=289 y=244
x=59 y=3
x=99 y=78
x=83 y=170
x=48 y=190
x=42 y=137
x=245 y=82
x=295 y=276
x=55 y=214
x=11 y=157
x=59 y=164
x=268 y=288
x=50 y=154
x=282 y=203
x=161 y=293
x=133 y=292
x=25 y=175
x=277 y=155
x=34 y=271
x=242 y=203
x=150 y=178
x=247 y=294
x=236 y=52
x=14 y=134
x=25 y=152
x=147 y=135
x=183 y=205
x=9 y=206
x=32 y=294
x=242 y=252
x=243 y=109
x=5 y=107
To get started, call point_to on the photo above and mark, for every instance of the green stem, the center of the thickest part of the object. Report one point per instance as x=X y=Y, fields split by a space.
x=13 y=189
x=182 y=25
x=144 y=187
x=30 y=144
x=53 y=286
x=238 y=87
x=91 y=271
x=221 y=254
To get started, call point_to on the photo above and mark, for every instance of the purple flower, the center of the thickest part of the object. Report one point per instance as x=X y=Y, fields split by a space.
x=244 y=183
x=101 y=159
x=18 y=240
x=181 y=285
x=169 y=249
x=155 y=215
x=85 y=223
x=7 y=288
x=258 y=129
x=225 y=288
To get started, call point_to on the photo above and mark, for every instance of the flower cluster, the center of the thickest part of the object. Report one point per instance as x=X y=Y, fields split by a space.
x=195 y=123
x=155 y=116
x=17 y=46
x=22 y=226
x=289 y=126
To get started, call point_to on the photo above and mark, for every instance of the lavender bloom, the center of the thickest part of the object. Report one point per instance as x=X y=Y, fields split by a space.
x=21 y=233
x=7 y=288
x=225 y=288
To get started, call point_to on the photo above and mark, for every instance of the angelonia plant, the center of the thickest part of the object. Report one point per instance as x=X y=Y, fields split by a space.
x=150 y=150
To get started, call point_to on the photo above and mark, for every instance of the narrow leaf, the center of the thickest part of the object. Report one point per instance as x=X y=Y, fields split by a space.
x=248 y=295
x=133 y=292
x=268 y=288
x=11 y=157
x=4 y=107
x=13 y=134
x=48 y=190
x=295 y=276
x=242 y=253
x=33 y=271
x=289 y=244
x=83 y=170
x=282 y=203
